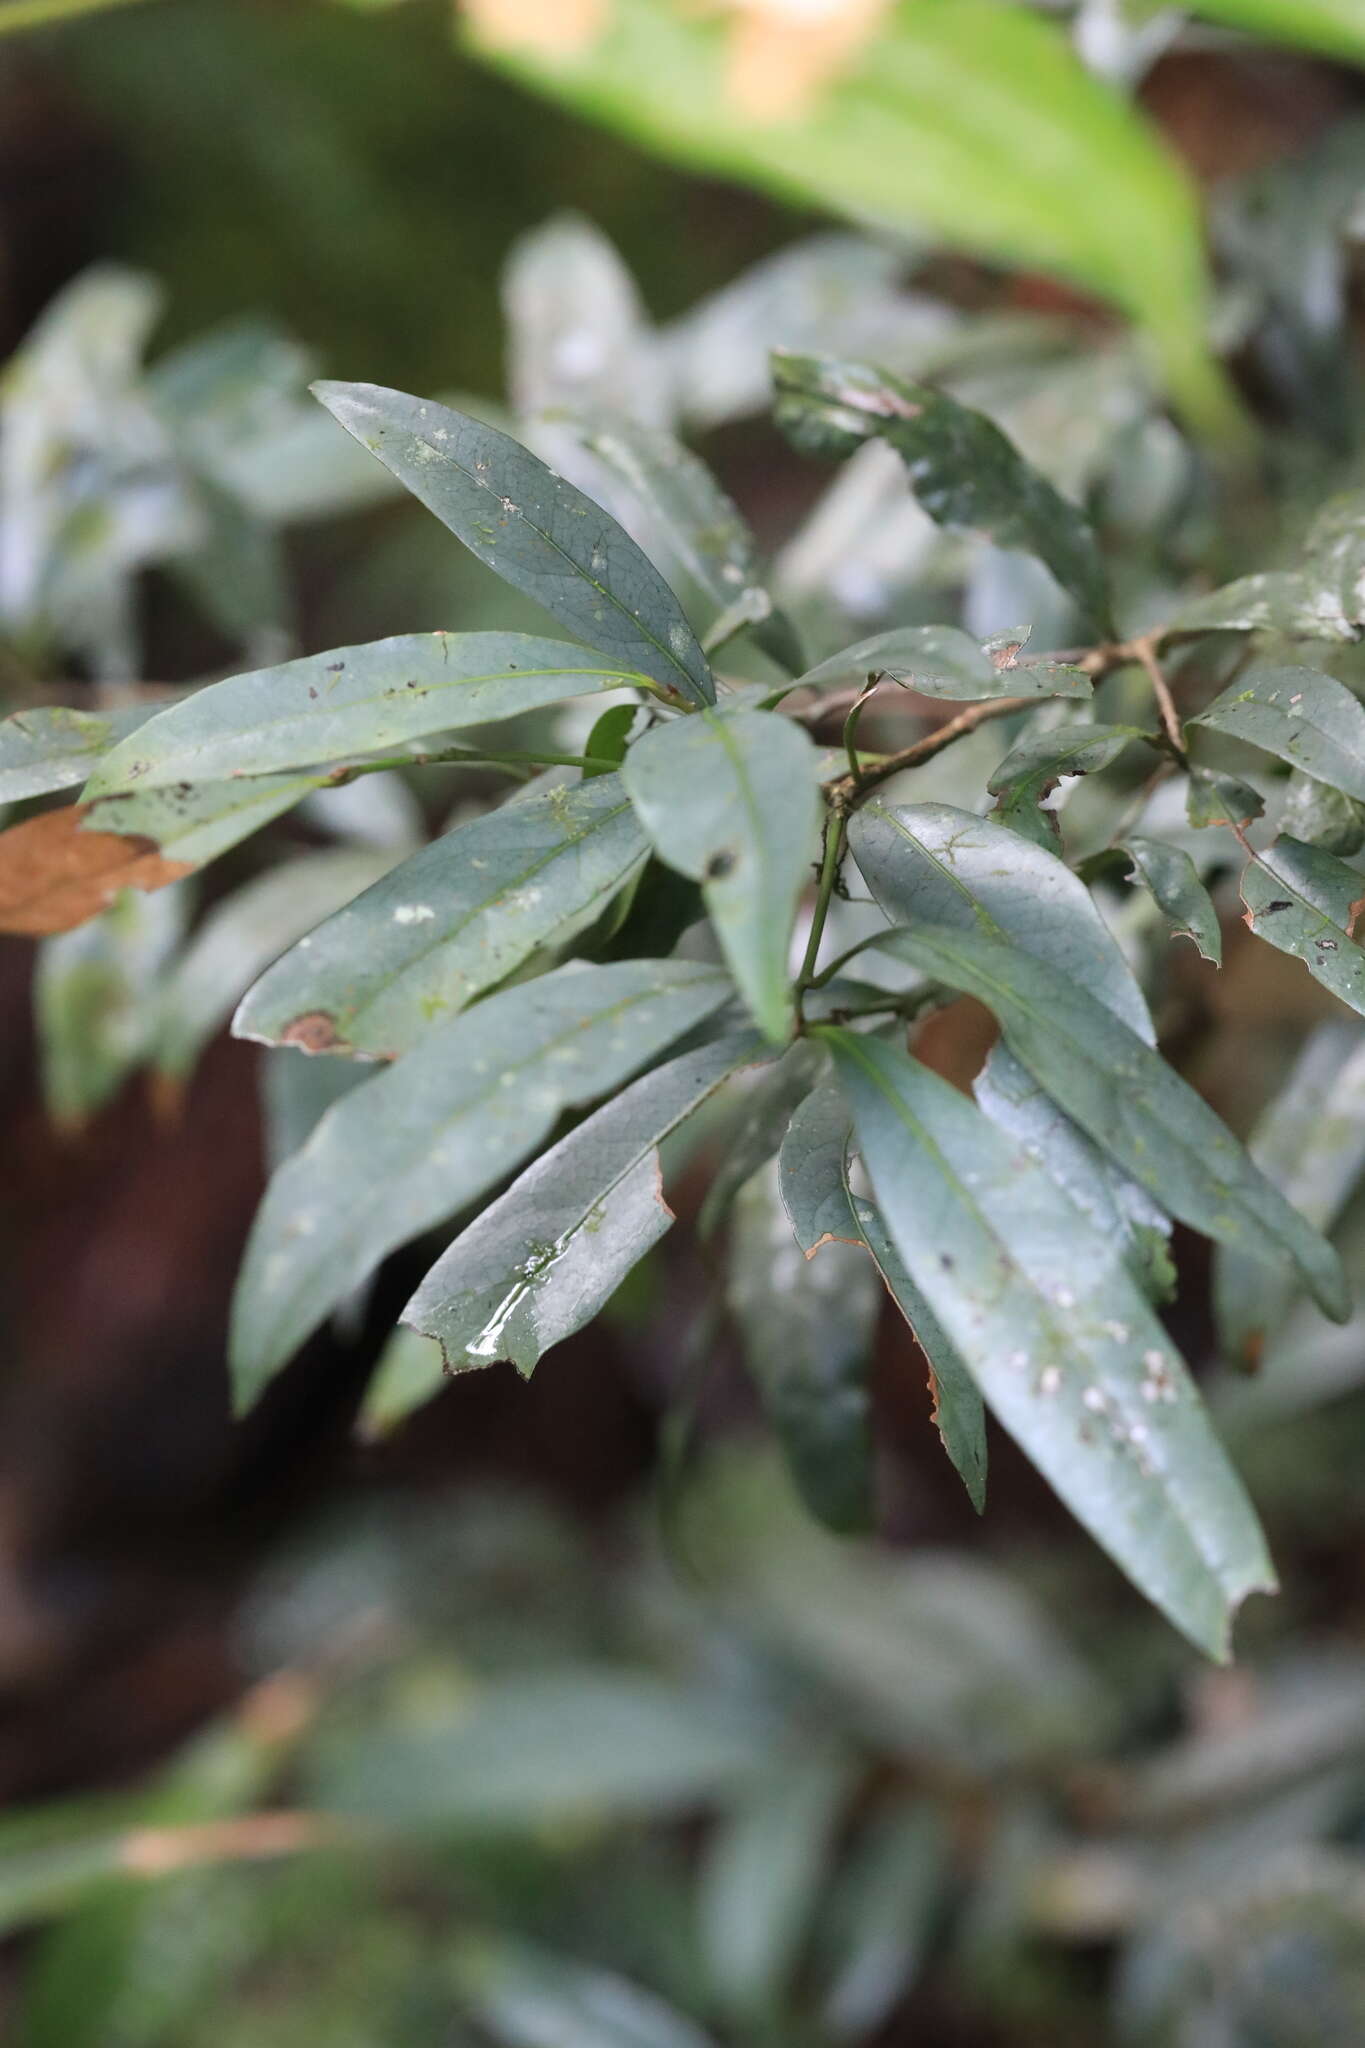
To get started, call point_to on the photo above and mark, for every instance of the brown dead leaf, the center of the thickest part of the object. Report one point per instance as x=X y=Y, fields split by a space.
x=783 y=52
x=54 y=876
x=557 y=28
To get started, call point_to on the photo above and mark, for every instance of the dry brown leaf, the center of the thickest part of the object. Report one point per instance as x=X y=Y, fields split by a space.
x=782 y=52
x=54 y=876
x=557 y=28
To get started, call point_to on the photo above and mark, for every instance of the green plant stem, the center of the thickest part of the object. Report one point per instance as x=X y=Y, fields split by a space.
x=846 y=792
x=26 y=14
x=829 y=875
x=462 y=757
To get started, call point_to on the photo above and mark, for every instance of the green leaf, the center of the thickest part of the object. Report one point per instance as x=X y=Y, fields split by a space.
x=1306 y=718
x=577 y=334
x=533 y=528
x=96 y=1000
x=1322 y=816
x=963 y=470
x=1307 y=903
x=433 y=1132
x=409 y=1373
x=1061 y=1343
x=969 y=119
x=528 y=1998
x=1033 y=768
x=764 y=1869
x=1214 y=799
x=540 y=1746
x=689 y=522
x=813 y=1169
x=1311 y=1144
x=540 y=1262
x=1334 y=549
x=448 y=923
x=807 y=1328
x=882 y=1916
x=606 y=747
x=942 y=866
x=759 y=1127
x=54 y=747
x=732 y=802
x=1332 y=26
x=941 y=661
x=1172 y=879
x=241 y=935
x=195 y=822
x=352 y=700
x=1290 y=601
x=1130 y=1101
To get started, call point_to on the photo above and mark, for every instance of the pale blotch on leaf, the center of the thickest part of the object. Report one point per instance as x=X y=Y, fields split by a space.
x=550 y=27
x=783 y=53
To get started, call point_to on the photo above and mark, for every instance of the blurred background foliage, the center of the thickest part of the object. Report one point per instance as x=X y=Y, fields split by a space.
x=546 y=1718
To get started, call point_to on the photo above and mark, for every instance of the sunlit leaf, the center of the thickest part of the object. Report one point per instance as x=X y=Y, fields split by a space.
x=1322 y=816
x=732 y=803
x=1332 y=26
x=540 y=1262
x=436 y=1130
x=1061 y=1343
x=449 y=922
x=533 y=528
x=1290 y=601
x=971 y=119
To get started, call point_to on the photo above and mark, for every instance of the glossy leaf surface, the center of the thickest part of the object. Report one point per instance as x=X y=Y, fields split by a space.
x=1306 y=718
x=1308 y=903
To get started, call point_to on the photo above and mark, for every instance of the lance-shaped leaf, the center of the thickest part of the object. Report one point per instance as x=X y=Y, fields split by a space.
x=1033 y=768
x=933 y=863
x=1308 y=903
x=540 y=1262
x=962 y=469
x=1308 y=719
x=807 y=1328
x=1311 y=1143
x=524 y=1997
x=533 y=528
x=240 y=935
x=1173 y=881
x=814 y=1181
x=448 y=923
x=1130 y=1102
x=433 y=1132
x=55 y=747
x=1060 y=1341
x=688 y=522
x=1289 y=601
x=732 y=803
x=353 y=700
x=943 y=661
x=193 y=822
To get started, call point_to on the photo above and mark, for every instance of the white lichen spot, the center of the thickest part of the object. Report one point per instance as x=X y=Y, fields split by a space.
x=1050 y=1380
x=1118 y=1331
x=1063 y=1297
x=413 y=913
x=1094 y=1399
x=1018 y=1361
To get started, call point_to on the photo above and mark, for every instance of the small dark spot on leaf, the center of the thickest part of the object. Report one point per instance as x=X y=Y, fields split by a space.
x=947 y=1261
x=721 y=864
x=311 y=691
x=334 y=668
x=1281 y=903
